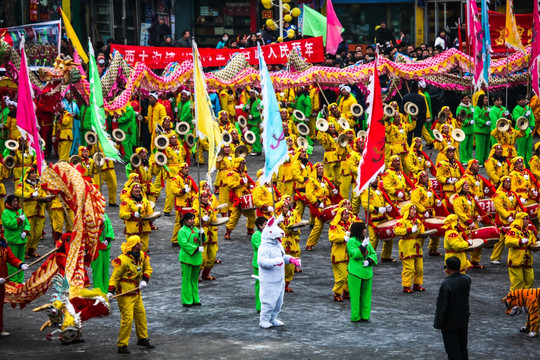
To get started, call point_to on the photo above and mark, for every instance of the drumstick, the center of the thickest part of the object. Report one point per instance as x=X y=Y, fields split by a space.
x=124 y=293
x=32 y=263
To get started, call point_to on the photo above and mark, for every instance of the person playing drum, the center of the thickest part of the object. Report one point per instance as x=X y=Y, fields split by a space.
x=455 y=243
x=262 y=197
x=301 y=171
x=477 y=186
x=132 y=211
x=338 y=235
x=224 y=166
x=448 y=173
x=508 y=140
x=522 y=182
x=447 y=140
x=328 y=141
x=395 y=182
x=378 y=213
x=240 y=184
x=291 y=242
x=496 y=165
x=535 y=162
x=210 y=242
x=425 y=198
x=416 y=159
x=521 y=236
x=409 y=227
x=505 y=202
x=396 y=137
x=184 y=188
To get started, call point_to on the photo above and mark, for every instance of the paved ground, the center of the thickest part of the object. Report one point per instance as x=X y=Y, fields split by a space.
x=316 y=327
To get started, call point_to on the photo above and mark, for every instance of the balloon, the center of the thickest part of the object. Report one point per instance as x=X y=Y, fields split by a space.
x=287 y=18
x=290 y=34
x=273 y=27
x=269 y=22
x=286 y=1
x=296 y=12
x=268 y=6
x=286 y=7
x=266 y=2
x=280 y=39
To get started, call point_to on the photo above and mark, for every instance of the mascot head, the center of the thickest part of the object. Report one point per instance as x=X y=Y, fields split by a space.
x=272 y=233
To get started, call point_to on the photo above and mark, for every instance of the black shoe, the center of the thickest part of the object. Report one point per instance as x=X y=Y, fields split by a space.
x=113 y=205
x=123 y=350
x=187 y=305
x=197 y=304
x=174 y=244
x=167 y=214
x=429 y=146
x=145 y=343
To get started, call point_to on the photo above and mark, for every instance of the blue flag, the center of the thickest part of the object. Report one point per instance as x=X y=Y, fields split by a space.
x=273 y=137
x=486 y=43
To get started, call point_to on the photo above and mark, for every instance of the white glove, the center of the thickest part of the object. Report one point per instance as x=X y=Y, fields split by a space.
x=205 y=218
x=139 y=117
x=439 y=203
x=244 y=180
x=486 y=190
x=109 y=296
x=428 y=164
x=510 y=219
x=470 y=242
x=400 y=195
x=270 y=209
x=478 y=218
x=488 y=123
x=472 y=225
x=187 y=189
x=335 y=192
x=524 y=241
x=365 y=263
x=53 y=139
x=507 y=113
x=142 y=285
x=2 y=125
x=105 y=242
x=523 y=200
x=382 y=210
x=471 y=122
x=137 y=215
x=429 y=120
x=346 y=238
x=348 y=233
x=365 y=242
x=426 y=214
x=35 y=194
x=23 y=235
x=528 y=113
x=22 y=217
x=24 y=267
x=451 y=180
x=115 y=120
x=414 y=229
x=535 y=193
x=321 y=206
x=250 y=116
x=175 y=109
x=201 y=231
x=476 y=198
x=201 y=248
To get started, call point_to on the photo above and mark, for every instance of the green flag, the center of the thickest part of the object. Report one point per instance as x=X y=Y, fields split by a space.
x=97 y=112
x=314 y=23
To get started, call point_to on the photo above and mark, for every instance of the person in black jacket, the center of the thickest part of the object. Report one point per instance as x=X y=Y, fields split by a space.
x=420 y=101
x=384 y=35
x=452 y=315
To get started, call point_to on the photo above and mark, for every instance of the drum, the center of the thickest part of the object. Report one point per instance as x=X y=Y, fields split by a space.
x=437 y=224
x=428 y=233
x=436 y=184
x=298 y=225
x=246 y=202
x=46 y=198
x=487 y=205
x=385 y=230
x=152 y=216
x=328 y=213
x=489 y=233
x=399 y=206
x=531 y=210
x=535 y=247
x=476 y=244
x=220 y=221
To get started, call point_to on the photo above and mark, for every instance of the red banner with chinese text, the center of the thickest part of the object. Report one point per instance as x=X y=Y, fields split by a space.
x=497 y=22
x=159 y=57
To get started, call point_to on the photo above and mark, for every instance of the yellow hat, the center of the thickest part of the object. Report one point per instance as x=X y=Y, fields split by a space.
x=450 y=221
x=406 y=209
x=139 y=150
x=130 y=243
x=459 y=185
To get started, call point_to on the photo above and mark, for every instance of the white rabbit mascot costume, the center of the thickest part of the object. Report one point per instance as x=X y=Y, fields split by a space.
x=272 y=260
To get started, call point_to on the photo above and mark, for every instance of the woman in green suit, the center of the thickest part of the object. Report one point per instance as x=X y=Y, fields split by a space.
x=362 y=257
x=190 y=241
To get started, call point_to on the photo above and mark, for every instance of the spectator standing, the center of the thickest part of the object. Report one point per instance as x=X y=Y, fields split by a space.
x=223 y=42
x=383 y=34
x=152 y=31
x=185 y=41
x=442 y=40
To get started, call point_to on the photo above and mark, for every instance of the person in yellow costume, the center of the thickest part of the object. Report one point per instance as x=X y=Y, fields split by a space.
x=285 y=174
x=425 y=198
x=522 y=183
x=108 y=176
x=285 y=98
x=58 y=214
x=262 y=197
x=395 y=181
x=132 y=178
x=240 y=185
x=450 y=120
x=344 y=176
x=328 y=141
x=318 y=192
x=132 y=210
x=353 y=161
x=226 y=101
x=176 y=155
x=87 y=164
x=477 y=187
x=156 y=112
x=4 y=174
x=145 y=173
x=466 y=210
x=506 y=203
x=496 y=165
x=11 y=121
x=210 y=243
x=23 y=159
x=454 y=242
x=315 y=108
x=131 y=270
x=520 y=258
x=334 y=115
x=345 y=102
x=378 y=213
x=535 y=161
x=447 y=140
x=291 y=242
x=166 y=126
x=448 y=172
x=396 y=137
x=508 y=140
x=30 y=191
x=301 y=171
x=416 y=160
x=185 y=190
x=223 y=167
x=409 y=227
x=338 y=235
x=63 y=133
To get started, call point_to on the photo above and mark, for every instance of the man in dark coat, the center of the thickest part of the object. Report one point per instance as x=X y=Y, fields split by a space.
x=420 y=101
x=452 y=315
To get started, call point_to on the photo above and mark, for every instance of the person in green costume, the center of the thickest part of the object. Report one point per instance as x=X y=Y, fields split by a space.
x=362 y=257
x=260 y=223
x=495 y=113
x=190 y=258
x=253 y=109
x=524 y=144
x=303 y=104
x=100 y=266
x=465 y=114
x=16 y=229
x=184 y=109
x=128 y=124
x=482 y=129
x=86 y=123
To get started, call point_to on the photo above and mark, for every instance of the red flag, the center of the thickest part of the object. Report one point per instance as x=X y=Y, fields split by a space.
x=372 y=162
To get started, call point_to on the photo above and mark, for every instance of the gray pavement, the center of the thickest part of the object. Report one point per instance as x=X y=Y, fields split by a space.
x=316 y=327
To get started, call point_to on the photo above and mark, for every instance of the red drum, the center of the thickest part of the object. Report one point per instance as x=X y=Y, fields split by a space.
x=435 y=223
x=436 y=184
x=385 y=230
x=489 y=233
x=328 y=213
x=393 y=213
x=246 y=202
x=487 y=205
x=531 y=210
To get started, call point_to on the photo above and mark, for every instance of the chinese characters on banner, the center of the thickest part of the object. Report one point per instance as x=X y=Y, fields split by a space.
x=496 y=30
x=33 y=7
x=159 y=57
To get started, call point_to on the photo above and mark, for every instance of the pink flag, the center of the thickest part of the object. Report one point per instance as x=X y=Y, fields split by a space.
x=333 y=29
x=476 y=48
x=26 y=112
x=535 y=51
x=372 y=162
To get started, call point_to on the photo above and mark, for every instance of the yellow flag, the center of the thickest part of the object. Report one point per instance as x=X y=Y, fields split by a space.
x=207 y=124
x=511 y=35
x=73 y=37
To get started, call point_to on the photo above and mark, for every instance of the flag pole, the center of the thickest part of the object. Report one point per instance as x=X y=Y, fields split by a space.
x=194 y=112
x=507 y=78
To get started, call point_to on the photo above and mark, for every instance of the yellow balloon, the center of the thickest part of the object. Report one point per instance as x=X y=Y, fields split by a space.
x=280 y=39
x=287 y=18
x=286 y=7
x=269 y=22
x=273 y=27
x=267 y=6
x=296 y=12
x=286 y=1
x=266 y=2
x=290 y=34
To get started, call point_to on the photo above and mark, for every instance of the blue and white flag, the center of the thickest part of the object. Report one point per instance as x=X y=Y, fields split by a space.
x=273 y=137
x=486 y=44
